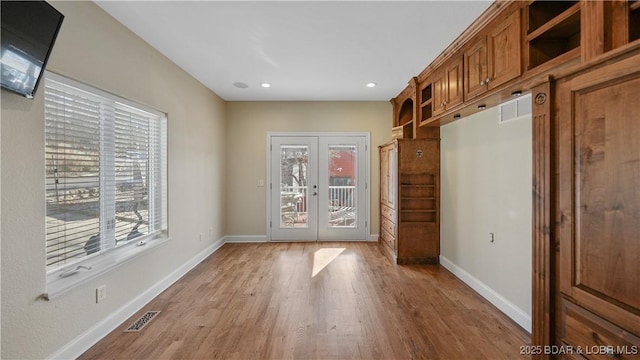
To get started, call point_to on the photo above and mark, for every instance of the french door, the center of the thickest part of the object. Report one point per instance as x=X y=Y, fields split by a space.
x=317 y=188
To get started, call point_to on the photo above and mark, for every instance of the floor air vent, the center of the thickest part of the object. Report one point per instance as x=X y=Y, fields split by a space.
x=142 y=321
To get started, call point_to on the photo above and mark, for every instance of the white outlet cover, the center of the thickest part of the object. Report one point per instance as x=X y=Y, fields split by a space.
x=101 y=293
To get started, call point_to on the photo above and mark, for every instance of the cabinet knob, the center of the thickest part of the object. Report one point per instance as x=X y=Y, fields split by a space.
x=487 y=80
x=482 y=83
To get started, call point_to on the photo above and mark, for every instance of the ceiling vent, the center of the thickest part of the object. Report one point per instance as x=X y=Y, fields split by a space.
x=515 y=109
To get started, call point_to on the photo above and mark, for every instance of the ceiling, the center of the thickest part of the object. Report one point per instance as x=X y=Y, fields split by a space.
x=306 y=50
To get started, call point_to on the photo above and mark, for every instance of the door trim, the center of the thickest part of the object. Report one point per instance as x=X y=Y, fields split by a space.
x=268 y=182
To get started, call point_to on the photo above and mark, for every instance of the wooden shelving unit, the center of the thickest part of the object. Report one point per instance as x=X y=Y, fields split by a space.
x=405 y=116
x=426 y=104
x=554 y=31
x=404 y=131
x=409 y=205
x=417 y=197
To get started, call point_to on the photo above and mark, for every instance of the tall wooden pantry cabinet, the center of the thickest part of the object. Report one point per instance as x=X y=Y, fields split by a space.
x=409 y=200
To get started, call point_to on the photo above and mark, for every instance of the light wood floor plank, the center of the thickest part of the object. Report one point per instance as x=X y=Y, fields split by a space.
x=261 y=301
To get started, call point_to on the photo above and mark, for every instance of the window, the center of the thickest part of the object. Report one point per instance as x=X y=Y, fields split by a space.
x=105 y=160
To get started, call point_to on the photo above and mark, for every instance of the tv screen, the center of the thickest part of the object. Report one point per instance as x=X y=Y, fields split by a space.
x=29 y=29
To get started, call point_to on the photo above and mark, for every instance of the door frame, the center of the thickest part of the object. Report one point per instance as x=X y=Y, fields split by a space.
x=269 y=182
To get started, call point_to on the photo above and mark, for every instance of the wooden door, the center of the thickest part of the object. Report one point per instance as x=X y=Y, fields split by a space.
x=475 y=68
x=439 y=93
x=504 y=51
x=454 y=83
x=599 y=207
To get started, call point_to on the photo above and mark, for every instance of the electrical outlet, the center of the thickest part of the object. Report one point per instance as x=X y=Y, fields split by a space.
x=260 y=182
x=101 y=293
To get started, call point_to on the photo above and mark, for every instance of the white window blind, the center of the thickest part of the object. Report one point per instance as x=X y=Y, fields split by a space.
x=105 y=172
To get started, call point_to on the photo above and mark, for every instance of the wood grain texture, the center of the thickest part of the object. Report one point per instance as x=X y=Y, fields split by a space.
x=599 y=216
x=411 y=233
x=260 y=301
x=543 y=239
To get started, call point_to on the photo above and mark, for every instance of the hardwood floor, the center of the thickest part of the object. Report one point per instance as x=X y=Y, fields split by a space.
x=261 y=301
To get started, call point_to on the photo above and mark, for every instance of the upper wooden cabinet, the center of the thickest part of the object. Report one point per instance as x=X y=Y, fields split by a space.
x=607 y=25
x=404 y=112
x=495 y=56
x=447 y=86
x=505 y=50
x=476 y=69
x=553 y=32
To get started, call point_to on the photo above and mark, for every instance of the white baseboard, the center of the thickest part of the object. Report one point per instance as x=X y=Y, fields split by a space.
x=515 y=313
x=235 y=239
x=82 y=343
x=245 y=238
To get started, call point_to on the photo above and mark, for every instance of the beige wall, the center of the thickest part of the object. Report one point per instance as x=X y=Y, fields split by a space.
x=247 y=127
x=93 y=48
x=486 y=188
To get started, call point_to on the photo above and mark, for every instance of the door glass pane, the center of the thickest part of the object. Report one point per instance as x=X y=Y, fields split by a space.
x=342 y=186
x=294 y=161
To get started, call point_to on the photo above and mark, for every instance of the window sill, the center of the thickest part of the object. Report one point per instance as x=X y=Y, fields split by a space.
x=57 y=285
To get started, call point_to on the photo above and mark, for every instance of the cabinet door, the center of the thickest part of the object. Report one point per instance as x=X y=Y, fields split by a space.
x=475 y=67
x=447 y=87
x=384 y=175
x=439 y=93
x=387 y=175
x=599 y=194
x=504 y=51
x=454 y=83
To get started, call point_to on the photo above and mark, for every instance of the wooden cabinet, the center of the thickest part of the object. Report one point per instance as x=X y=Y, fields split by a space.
x=598 y=206
x=426 y=102
x=580 y=60
x=494 y=58
x=409 y=200
x=553 y=32
x=476 y=69
x=633 y=20
x=404 y=112
x=388 y=194
x=447 y=86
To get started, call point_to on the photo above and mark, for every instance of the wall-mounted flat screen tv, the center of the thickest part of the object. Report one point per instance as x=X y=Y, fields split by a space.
x=29 y=29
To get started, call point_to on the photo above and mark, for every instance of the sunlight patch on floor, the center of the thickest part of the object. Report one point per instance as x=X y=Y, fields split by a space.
x=323 y=257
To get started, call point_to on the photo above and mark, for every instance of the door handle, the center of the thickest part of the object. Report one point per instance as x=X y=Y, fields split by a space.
x=315 y=193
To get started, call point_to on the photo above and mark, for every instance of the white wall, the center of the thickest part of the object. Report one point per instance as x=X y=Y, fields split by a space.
x=247 y=127
x=93 y=48
x=486 y=188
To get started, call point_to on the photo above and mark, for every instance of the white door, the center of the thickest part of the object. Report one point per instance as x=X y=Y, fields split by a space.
x=318 y=188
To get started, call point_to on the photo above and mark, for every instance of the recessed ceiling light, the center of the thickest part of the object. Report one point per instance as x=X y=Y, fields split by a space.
x=371 y=84
x=265 y=85
x=240 y=85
